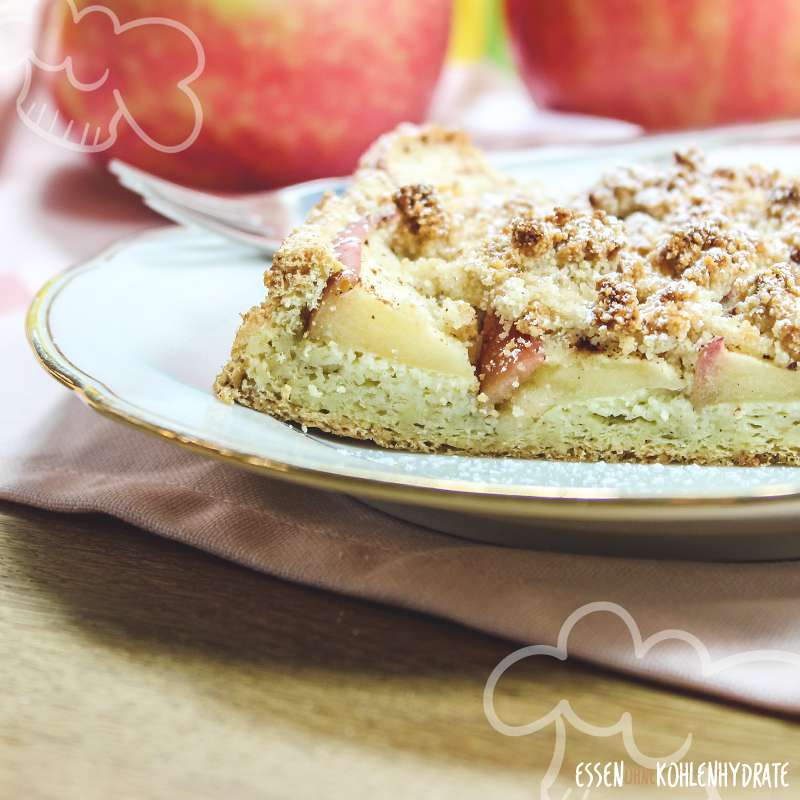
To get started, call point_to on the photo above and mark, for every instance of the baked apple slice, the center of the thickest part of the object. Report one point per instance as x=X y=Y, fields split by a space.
x=353 y=316
x=361 y=320
x=575 y=376
x=724 y=376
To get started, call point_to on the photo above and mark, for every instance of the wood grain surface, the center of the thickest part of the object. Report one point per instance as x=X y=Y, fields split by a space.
x=133 y=667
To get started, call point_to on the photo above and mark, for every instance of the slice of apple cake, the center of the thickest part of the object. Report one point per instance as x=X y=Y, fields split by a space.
x=441 y=306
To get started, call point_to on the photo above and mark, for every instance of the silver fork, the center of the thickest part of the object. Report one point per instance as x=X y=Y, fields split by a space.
x=263 y=219
x=259 y=219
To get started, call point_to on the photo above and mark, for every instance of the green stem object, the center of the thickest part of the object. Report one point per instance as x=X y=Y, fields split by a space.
x=496 y=36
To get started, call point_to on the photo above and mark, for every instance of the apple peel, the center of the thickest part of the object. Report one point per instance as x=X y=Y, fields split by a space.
x=706 y=372
x=507 y=359
x=348 y=247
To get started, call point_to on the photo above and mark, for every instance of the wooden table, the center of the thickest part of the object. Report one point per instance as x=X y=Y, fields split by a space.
x=135 y=667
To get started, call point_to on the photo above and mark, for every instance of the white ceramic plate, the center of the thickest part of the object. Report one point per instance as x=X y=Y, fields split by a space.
x=141 y=331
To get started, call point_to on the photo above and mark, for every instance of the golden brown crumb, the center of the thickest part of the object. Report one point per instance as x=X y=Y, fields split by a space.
x=784 y=199
x=422 y=220
x=617 y=305
x=770 y=299
x=573 y=237
x=684 y=246
x=529 y=236
x=691 y=159
x=705 y=253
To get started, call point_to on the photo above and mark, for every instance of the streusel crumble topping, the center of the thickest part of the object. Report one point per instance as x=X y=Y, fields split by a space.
x=654 y=261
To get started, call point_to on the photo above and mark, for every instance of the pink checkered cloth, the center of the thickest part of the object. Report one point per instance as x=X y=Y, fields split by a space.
x=57 y=454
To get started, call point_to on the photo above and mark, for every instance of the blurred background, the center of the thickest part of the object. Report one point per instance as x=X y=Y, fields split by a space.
x=258 y=93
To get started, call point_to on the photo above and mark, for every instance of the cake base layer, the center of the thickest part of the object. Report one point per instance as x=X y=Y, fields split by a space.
x=364 y=396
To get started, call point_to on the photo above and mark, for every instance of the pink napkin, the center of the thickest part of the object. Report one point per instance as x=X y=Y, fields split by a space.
x=57 y=454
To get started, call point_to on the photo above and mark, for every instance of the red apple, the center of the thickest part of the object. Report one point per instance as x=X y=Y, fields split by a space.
x=289 y=89
x=661 y=63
